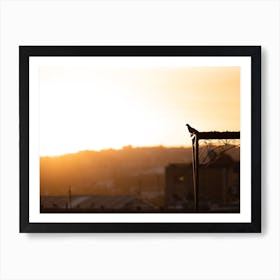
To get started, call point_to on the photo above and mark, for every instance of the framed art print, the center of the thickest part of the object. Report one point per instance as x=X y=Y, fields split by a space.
x=140 y=138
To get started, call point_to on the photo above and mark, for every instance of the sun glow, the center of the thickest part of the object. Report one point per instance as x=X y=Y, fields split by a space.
x=94 y=108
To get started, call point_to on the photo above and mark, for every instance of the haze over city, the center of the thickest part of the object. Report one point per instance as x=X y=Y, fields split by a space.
x=113 y=135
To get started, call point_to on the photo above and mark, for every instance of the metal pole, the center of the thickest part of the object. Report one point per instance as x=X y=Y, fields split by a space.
x=69 y=197
x=196 y=173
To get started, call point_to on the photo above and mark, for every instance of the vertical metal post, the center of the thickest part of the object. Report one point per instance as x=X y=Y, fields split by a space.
x=69 y=197
x=196 y=173
x=193 y=166
x=225 y=184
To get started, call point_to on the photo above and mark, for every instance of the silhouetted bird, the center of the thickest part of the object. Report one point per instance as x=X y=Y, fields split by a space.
x=191 y=129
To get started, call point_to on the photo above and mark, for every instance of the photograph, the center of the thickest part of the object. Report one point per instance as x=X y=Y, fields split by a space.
x=114 y=138
x=139 y=134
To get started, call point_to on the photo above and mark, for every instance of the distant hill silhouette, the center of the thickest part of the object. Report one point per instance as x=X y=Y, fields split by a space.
x=109 y=172
x=128 y=171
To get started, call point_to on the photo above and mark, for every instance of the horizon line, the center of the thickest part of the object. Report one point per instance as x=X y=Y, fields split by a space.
x=126 y=147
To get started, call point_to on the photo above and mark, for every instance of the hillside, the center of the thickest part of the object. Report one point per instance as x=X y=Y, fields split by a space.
x=109 y=172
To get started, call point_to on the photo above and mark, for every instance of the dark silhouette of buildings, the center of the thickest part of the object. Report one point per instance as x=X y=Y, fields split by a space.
x=219 y=185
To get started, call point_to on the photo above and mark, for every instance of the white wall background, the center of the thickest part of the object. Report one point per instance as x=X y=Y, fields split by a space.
x=139 y=256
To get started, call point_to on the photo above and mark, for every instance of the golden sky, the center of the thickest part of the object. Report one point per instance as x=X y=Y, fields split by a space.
x=90 y=108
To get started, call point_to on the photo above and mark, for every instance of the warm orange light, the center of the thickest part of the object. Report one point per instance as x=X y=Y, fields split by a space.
x=86 y=109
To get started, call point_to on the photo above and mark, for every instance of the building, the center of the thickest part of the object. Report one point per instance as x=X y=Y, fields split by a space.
x=218 y=185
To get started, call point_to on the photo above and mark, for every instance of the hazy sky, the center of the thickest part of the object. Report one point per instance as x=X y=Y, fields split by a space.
x=93 y=108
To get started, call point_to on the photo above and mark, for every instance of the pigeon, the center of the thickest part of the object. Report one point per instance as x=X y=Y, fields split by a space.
x=192 y=130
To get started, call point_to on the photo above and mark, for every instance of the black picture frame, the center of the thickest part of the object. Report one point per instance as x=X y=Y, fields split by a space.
x=254 y=52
